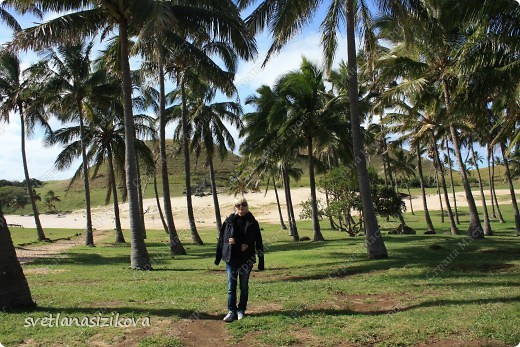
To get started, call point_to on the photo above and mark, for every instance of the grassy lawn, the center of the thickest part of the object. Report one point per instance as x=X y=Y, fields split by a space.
x=28 y=236
x=311 y=294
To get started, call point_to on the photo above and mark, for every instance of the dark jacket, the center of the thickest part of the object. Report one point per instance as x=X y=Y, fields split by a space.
x=250 y=236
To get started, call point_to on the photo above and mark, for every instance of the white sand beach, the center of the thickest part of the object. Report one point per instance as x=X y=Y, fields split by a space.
x=263 y=207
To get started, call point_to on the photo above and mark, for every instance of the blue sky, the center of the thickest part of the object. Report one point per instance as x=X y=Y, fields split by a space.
x=250 y=76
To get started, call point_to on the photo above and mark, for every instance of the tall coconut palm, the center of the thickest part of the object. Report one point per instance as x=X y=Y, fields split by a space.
x=429 y=224
x=85 y=18
x=511 y=188
x=263 y=144
x=476 y=160
x=285 y=19
x=428 y=59
x=210 y=134
x=449 y=162
x=70 y=83
x=14 y=290
x=404 y=167
x=17 y=95
x=173 y=49
x=312 y=119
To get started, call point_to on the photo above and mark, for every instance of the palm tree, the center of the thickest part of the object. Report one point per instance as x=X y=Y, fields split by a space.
x=17 y=95
x=263 y=145
x=428 y=61
x=405 y=167
x=14 y=290
x=70 y=83
x=211 y=135
x=448 y=161
x=429 y=224
x=84 y=19
x=285 y=19
x=89 y=17
x=50 y=200
x=313 y=119
x=476 y=160
x=511 y=188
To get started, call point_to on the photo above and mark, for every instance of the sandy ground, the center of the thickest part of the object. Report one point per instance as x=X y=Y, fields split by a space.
x=263 y=207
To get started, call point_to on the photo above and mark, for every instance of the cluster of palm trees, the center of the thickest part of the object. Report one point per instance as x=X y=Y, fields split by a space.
x=437 y=73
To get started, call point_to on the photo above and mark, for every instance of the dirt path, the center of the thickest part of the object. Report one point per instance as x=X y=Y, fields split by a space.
x=54 y=249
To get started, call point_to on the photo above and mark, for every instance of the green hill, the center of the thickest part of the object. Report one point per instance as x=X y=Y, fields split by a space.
x=74 y=198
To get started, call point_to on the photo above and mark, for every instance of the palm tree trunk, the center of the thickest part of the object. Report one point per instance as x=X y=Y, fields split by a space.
x=89 y=240
x=410 y=197
x=176 y=246
x=453 y=225
x=500 y=217
x=216 y=204
x=140 y=198
x=511 y=189
x=187 y=171
x=376 y=248
x=120 y=238
x=384 y=172
x=158 y=202
x=493 y=211
x=429 y=224
x=14 y=289
x=28 y=182
x=290 y=210
x=331 y=220
x=452 y=184
x=439 y=191
x=282 y=223
x=139 y=258
x=487 y=225
x=475 y=228
x=314 y=203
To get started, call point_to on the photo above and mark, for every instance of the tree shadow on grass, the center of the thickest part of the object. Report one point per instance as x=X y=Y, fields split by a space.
x=297 y=313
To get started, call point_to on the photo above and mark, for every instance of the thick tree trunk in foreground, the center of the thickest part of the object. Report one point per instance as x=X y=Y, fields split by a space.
x=139 y=258
x=14 y=290
x=376 y=248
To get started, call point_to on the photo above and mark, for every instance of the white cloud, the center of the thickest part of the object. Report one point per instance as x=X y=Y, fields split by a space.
x=251 y=75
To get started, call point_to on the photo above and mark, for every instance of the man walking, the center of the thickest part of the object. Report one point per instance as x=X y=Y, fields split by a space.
x=238 y=239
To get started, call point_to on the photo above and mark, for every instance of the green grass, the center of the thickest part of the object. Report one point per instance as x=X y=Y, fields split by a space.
x=28 y=236
x=312 y=293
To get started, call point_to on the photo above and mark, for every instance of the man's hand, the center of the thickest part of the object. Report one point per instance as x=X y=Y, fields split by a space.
x=244 y=247
x=231 y=241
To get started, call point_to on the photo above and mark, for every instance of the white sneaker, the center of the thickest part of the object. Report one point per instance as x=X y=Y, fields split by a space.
x=240 y=315
x=230 y=316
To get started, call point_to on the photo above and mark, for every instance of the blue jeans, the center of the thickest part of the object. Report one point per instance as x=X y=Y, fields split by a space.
x=237 y=272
